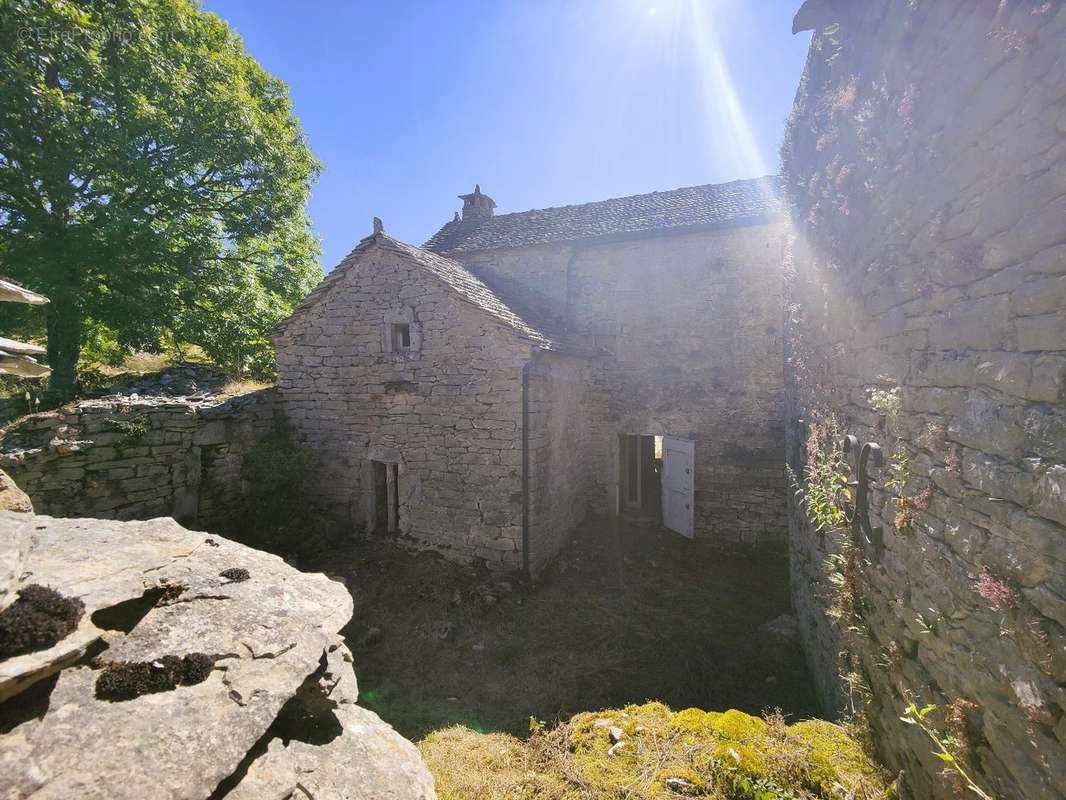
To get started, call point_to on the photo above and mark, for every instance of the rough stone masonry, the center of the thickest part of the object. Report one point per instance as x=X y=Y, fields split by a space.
x=133 y=457
x=926 y=166
x=477 y=388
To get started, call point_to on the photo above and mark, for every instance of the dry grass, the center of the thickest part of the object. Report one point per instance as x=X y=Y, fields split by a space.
x=239 y=386
x=664 y=755
x=139 y=363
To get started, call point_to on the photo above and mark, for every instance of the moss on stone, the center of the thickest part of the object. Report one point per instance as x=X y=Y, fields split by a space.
x=833 y=756
x=661 y=755
x=694 y=720
x=743 y=758
x=739 y=727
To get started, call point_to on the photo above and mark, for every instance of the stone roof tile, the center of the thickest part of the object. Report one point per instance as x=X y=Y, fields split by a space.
x=676 y=210
x=544 y=333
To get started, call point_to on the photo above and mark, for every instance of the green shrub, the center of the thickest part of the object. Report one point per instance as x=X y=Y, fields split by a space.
x=274 y=477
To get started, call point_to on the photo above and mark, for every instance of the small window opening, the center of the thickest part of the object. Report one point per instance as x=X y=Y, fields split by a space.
x=401 y=336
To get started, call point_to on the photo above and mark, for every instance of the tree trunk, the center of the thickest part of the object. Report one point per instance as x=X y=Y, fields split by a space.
x=64 y=346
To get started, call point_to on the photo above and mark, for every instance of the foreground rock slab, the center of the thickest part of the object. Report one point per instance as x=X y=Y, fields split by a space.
x=368 y=760
x=152 y=591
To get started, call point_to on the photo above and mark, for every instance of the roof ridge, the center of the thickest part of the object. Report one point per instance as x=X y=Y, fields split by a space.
x=632 y=196
x=702 y=206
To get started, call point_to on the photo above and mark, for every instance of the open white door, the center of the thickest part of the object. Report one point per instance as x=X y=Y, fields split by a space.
x=679 y=464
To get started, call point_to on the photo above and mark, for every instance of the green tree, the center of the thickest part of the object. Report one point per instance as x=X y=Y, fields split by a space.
x=153 y=180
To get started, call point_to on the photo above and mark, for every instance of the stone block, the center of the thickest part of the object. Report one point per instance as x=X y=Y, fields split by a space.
x=1011 y=373
x=1051 y=260
x=1049 y=379
x=1045 y=332
x=1051 y=494
x=976 y=324
x=212 y=433
x=1040 y=297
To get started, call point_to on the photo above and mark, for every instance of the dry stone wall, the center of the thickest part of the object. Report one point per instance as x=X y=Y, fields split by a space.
x=926 y=163
x=137 y=457
x=447 y=412
x=689 y=334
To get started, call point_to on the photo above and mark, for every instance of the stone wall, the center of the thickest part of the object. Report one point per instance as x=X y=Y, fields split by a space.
x=447 y=412
x=126 y=458
x=566 y=443
x=690 y=330
x=926 y=163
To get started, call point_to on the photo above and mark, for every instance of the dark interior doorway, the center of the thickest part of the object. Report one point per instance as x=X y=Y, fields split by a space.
x=641 y=476
x=386 y=497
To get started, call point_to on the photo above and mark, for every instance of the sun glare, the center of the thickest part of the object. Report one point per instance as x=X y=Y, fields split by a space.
x=688 y=31
x=720 y=102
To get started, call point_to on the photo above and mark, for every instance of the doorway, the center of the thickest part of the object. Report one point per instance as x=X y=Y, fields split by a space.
x=641 y=477
x=386 y=505
x=657 y=481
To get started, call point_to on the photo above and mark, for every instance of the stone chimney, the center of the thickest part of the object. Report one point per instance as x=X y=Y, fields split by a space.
x=477 y=206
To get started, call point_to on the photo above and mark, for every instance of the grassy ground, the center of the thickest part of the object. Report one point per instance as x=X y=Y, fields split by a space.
x=625 y=615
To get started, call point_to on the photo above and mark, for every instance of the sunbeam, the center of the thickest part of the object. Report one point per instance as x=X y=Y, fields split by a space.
x=721 y=105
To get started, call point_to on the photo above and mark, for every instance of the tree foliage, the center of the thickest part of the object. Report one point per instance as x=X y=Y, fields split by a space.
x=153 y=180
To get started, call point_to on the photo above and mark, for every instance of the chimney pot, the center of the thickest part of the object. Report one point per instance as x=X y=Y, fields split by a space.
x=477 y=206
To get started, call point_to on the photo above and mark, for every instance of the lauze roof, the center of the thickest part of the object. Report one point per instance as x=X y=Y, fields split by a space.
x=677 y=210
x=544 y=333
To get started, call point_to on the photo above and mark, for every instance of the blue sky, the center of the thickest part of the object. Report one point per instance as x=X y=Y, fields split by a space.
x=543 y=102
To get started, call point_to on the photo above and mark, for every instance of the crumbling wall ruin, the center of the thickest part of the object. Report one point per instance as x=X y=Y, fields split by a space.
x=131 y=457
x=926 y=163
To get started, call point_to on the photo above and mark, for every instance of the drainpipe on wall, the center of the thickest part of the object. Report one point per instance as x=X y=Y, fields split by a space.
x=525 y=467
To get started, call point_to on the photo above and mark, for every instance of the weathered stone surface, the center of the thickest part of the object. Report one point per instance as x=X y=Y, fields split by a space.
x=925 y=165
x=368 y=760
x=12 y=498
x=1051 y=494
x=14 y=544
x=267 y=634
x=21 y=672
x=137 y=457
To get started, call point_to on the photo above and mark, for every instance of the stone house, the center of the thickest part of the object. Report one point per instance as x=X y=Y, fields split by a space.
x=483 y=393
